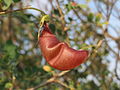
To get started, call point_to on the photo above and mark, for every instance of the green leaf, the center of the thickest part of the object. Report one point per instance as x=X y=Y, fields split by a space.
x=16 y=1
x=2 y=77
x=10 y=50
x=69 y=7
x=52 y=27
x=24 y=18
x=6 y=4
x=56 y=12
x=82 y=5
x=8 y=85
x=84 y=46
x=70 y=19
x=97 y=19
x=90 y=17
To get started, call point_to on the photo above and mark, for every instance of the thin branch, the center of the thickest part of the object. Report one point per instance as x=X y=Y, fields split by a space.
x=11 y=11
x=116 y=66
x=62 y=73
x=61 y=14
x=116 y=70
x=63 y=84
x=76 y=13
x=110 y=47
x=105 y=31
x=110 y=11
x=110 y=36
x=98 y=7
x=51 y=80
x=60 y=10
x=97 y=47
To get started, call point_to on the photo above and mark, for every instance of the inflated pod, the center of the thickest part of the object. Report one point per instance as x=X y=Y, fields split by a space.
x=58 y=54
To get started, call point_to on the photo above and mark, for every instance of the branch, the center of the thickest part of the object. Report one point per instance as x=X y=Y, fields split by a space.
x=110 y=36
x=97 y=47
x=11 y=11
x=63 y=84
x=116 y=74
x=76 y=13
x=51 y=80
x=109 y=45
x=61 y=15
x=116 y=66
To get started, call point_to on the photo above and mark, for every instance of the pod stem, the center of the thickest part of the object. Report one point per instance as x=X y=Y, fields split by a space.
x=45 y=18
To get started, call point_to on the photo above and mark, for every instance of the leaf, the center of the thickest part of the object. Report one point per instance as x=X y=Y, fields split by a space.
x=16 y=1
x=106 y=23
x=52 y=27
x=88 y=0
x=8 y=85
x=82 y=5
x=84 y=46
x=90 y=17
x=98 y=17
x=56 y=12
x=10 y=50
x=2 y=77
x=47 y=68
x=6 y=4
x=24 y=18
x=70 y=19
x=69 y=7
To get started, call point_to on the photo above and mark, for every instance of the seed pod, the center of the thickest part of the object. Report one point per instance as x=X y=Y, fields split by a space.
x=58 y=54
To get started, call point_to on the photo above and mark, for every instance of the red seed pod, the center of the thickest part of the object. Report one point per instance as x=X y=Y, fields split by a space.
x=58 y=54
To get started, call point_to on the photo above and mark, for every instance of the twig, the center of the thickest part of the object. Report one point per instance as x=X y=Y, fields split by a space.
x=63 y=84
x=110 y=36
x=116 y=66
x=11 y=11
x=44 y=84
x=51 y=80
x=61 y=14
x=97 y=47
x=76 y=13
x=62 y=73
x=117 y=76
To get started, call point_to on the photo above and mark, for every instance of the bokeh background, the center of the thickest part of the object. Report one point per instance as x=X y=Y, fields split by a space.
x=94 y=24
